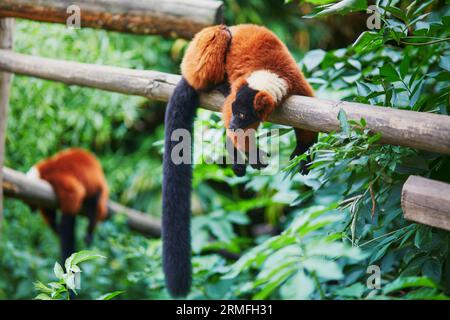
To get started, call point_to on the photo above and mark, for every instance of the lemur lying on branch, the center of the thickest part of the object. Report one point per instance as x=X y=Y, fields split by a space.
x=80 y=186
x=260 y=73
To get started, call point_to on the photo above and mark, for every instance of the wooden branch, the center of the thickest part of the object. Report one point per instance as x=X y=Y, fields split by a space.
x=40 y=193
x=427 y=201
x=138 y=221
x=419 y=130
x=175 y=18
x=6 y=41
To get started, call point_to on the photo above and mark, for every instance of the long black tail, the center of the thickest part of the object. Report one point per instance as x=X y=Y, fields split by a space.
x=176 y=189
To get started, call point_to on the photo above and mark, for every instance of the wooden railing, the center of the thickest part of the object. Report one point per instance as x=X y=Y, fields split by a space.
x=425 y=131
x=175 y=18
x=40 y=193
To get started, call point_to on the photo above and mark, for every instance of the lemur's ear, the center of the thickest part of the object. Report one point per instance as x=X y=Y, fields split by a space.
x=264 y=104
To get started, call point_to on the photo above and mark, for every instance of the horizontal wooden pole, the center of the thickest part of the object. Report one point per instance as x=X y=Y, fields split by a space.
x=419 y=130
x=179 y=18
x=426 y=201
x=40 y=193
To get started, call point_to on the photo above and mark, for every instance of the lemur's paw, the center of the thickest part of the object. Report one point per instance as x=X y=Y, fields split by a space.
x=297 y=151
x=259 y=165
x=239 y=169
x=303 y=167
x=261 y=162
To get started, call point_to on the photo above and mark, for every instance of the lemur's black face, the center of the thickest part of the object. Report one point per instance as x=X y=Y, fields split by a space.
x=243 y=111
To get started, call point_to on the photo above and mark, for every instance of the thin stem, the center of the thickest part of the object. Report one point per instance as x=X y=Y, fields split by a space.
x=424 y=43
x=382 y=236
x=319 y=287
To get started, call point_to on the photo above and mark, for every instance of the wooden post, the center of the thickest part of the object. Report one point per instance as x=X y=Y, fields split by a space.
x=6 y=40
x=427 y=201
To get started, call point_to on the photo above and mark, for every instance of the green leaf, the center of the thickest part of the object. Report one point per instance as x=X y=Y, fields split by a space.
x=388 y=71
x=423 y=237
x=222 y=230
x=325 y=269
x=368 y=40
x=341 y=7
x=43 y=296
x=110 y=295
x=445 y=62
x=42 y=287
x=82 y=256
x=313 y=58
x=408 y=282
x=355 y=63
x=335 y=250
x=404 y=66
x=58 y=270
x=272 y=285
x=432 y=269
x=356 y=290
x=298 y=287
x=425 y=294
x=398 y=13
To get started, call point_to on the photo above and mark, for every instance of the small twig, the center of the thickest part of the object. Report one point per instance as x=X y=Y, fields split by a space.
x=382 y=236
x=424 y=43
x=374 y=204
x=319 y=287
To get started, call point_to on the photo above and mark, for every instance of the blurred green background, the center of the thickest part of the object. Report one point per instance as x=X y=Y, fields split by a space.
x=300 y=237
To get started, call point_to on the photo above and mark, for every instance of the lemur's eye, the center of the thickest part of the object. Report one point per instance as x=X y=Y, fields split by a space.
x=241 y=115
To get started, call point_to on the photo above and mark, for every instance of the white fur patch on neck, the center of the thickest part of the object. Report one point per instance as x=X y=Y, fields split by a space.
x=265 y=80
x=33 y=173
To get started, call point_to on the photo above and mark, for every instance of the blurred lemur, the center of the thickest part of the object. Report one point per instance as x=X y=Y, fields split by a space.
x=80 y=186
x=258 y=73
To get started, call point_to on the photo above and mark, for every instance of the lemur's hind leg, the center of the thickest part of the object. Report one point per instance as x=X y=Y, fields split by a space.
x=49 y=216
x=67 y=235
x=305 y=139
x=91 y=205
x=238 y=161
x=70 y=193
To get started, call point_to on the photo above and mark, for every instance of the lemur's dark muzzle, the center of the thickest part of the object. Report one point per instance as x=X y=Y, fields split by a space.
x=237 y=123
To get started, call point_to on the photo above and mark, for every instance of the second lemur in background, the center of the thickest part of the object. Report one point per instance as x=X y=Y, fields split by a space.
x=81 y=188
x=261 y=73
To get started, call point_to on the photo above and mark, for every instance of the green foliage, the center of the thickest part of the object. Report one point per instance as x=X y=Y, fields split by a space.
x=300 y=261
x=69 y=280
x=342 y=7
x=334 y=223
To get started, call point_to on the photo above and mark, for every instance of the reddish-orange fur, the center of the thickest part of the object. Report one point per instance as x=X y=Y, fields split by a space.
x=75 y=175
x=203 y=65
x=252 y=48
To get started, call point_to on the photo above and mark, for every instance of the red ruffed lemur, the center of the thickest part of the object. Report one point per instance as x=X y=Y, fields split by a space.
x=81 y=188
x=256 y=73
